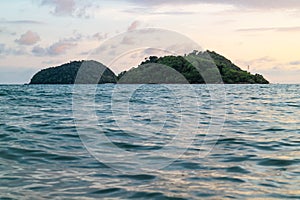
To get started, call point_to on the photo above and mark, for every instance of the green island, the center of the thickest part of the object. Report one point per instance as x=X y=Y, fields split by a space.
x=193 y=68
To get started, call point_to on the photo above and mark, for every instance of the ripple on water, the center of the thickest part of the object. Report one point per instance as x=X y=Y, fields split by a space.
x=278 y=162
x=238 y=169
x=140 y=177
x=255 y=156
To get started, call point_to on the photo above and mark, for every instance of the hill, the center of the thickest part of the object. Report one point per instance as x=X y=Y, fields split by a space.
x=67 y=73
x=194 y=68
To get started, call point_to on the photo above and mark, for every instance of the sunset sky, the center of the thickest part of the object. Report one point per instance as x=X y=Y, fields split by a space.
x=262 y=34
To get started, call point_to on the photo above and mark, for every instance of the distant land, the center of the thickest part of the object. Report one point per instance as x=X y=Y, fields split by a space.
x=194 y=68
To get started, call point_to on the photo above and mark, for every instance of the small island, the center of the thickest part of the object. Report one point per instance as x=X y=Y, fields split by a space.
x=67 y=73
x=194 y=68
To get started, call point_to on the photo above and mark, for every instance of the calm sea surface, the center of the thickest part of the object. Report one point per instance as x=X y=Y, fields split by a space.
x=150 y=142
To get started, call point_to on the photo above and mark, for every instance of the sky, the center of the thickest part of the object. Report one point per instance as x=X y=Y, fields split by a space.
x=261 y=34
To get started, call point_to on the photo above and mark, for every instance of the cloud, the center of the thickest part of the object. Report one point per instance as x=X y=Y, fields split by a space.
x=18 y=52
x=278 y=29
x=4 y=51
x=152 y=11
x=2 y=48
x=38 y=51
x=164 y=2
x=253 y=4
x=99 y=36
x=58 y=48
x=127 y=40
x=75 y=38
x=61 y=7
x=174 y=13
x=294 y=63
x=28 y=38
x=68 y=7
x=134 y=25
x=32 y=22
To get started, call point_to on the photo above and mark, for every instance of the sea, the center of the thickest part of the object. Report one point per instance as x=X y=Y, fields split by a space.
x=149 y=141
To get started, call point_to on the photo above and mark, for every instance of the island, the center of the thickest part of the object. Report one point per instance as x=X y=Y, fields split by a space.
x=194 y=68
x=67 y=74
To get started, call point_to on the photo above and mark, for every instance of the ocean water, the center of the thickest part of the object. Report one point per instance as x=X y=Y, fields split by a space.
x=150 y=142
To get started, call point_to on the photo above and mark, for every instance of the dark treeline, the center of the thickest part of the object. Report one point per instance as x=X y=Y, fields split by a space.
x=194 y=68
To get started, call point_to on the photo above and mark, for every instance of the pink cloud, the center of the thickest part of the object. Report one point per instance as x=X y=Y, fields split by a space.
x=61 y=7
x=69 y=7
x=134 y=25
x=38 y=51
x=28 y=38
x=60 y=47
x=127 y=40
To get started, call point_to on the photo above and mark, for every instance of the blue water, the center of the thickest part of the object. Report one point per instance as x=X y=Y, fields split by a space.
x=150 y=142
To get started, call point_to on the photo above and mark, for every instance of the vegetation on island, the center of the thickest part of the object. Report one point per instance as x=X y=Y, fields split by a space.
x=194 y=68
x=90 y=72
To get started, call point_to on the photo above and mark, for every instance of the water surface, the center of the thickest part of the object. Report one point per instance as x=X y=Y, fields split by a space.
x=46 y=152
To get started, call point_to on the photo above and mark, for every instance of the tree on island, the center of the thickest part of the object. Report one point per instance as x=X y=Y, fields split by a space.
x=67 y=74
x=194 y=68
